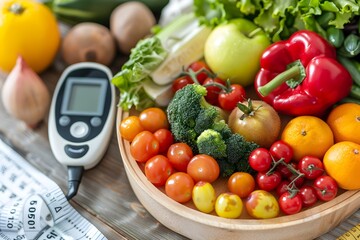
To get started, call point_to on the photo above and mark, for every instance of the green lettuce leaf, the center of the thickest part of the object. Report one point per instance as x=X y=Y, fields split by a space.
x=144 y=58
x=279 y=18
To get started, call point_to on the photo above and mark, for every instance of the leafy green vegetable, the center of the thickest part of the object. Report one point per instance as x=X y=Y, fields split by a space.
x=144 y=58
x=279 y=18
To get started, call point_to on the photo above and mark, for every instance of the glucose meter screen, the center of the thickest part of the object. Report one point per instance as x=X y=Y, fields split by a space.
x=85 y=97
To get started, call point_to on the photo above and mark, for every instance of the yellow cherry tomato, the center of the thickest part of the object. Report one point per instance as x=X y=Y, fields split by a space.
x=204 y=196
x=27 y=28
x=228 y=205
x=262 y=204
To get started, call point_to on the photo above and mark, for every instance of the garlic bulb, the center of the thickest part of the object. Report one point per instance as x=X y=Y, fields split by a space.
x=24 y=94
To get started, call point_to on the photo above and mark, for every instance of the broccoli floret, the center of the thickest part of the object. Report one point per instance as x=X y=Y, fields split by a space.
x=222 y=128
x=211 y=143
x=238 y=152
x=205 y=119
x=226 y=168
x=189 y=114
x=231 y=153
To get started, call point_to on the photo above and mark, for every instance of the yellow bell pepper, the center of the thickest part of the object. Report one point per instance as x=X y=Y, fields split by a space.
x=27 y=28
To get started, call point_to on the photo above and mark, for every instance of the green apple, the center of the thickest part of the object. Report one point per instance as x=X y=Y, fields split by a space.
x=233 y=50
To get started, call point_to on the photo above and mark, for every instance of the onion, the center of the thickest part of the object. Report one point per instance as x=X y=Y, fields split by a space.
x=24 y=94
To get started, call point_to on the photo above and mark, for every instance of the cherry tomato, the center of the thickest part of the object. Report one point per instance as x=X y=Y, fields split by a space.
x=262 y=204
x=179 y=155
x=268 y=182
x=281 y=149
x=204 y=197
x=260 y=160
x=181 y=82
x=326 y=188
x=196 y=67
x=282 y=187
x=308 y=195
x=297 y=180
x=129 y=127
x=213 y=91
x=179 y=187
x=165 y=138
x=311 y=167
x=228 y=99
x=144 y=146
x=203 y=167
x=153 y=119
x=228 y=205
x=284 y=170
x=290 y=204
x=158 y=169
x=241 y=183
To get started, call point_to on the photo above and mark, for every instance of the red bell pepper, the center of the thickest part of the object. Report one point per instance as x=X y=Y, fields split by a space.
x=301 y=76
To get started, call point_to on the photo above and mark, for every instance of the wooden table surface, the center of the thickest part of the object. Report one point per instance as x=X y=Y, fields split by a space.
x=105 y=197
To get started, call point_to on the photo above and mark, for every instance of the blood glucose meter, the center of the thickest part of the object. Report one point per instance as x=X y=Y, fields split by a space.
x=81 y=118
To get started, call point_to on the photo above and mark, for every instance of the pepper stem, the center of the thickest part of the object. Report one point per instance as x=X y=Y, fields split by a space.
x=293 y=76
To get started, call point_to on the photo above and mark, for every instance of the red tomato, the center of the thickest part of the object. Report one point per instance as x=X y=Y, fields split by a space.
x=203 y=167
x=198 y=67
x=129 y=127
x=158 y=169
x=181 y=82
x=241 y=183
x=311 y=167
x=326 y=188
x=179 y=155
x=284 y=171
x=282 y=187
x=308 y=195
x=260 y=160
x=298 y=180
x=228 y=99
x=153 y=119
x=281 y=149
x=179 y=187
x=144 y=146
x=213 y=91
x=290 y=204
x=165 y=138
x=268 y=182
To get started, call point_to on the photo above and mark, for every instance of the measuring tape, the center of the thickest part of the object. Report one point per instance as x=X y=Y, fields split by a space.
x=33 y=207
x=353 y=234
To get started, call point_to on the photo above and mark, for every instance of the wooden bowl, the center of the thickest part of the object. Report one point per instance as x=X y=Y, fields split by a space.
x=186 y=220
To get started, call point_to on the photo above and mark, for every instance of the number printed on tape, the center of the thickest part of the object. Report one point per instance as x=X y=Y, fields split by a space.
x=33 y=207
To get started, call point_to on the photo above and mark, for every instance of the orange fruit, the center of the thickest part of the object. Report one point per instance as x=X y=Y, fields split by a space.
x=342 y=162
x=344 y=121
x=27 y=28
x=308 y=135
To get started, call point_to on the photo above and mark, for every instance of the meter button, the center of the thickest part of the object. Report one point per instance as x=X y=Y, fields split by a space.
x=79 y=129
x=76 y=151
x=95 y=121
x=64 y=121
